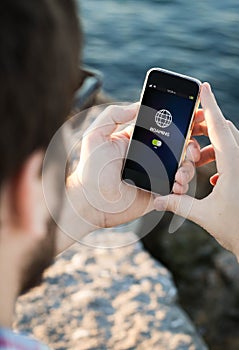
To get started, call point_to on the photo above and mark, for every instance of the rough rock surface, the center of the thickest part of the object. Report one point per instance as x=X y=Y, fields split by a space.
x=107 y=299
x=206 y=274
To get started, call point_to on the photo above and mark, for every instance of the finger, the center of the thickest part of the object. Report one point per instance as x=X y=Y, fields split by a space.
x=185 y=173
x=126 y=132
x=200 y=129
x=207 y=156
x=199 y=116
x=111 y=117
x=182 y=205
x=218 y=130
x=213 y=179
x=193 y=151
x=180 y=189
x=199 y=125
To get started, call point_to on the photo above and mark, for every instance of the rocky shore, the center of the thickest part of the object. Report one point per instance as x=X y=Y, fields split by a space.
x=107 y=299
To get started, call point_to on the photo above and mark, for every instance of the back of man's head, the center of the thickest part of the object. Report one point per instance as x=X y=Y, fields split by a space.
x=39 y=53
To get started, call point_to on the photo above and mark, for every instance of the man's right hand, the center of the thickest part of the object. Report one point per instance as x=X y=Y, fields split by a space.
x=218 y=213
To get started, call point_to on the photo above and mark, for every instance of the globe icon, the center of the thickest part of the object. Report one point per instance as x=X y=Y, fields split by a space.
x=163 y=118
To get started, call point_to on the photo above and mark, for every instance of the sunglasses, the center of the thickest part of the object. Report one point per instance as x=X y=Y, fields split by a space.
x=90 y=83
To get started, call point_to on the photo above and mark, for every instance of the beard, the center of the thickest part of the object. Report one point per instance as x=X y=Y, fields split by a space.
x=40 y=258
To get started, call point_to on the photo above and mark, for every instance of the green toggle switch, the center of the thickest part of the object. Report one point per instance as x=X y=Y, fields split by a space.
x=157 y=143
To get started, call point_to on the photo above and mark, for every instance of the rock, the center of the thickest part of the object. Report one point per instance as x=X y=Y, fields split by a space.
x=107 y=299
x=227 y=264
x=206 y=277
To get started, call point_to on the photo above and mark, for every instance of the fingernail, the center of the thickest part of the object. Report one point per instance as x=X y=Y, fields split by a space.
x=207 y=86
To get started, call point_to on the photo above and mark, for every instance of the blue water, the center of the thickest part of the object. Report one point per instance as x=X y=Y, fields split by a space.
x=123 y=38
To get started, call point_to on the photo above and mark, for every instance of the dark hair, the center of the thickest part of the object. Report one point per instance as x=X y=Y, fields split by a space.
x=39 y=57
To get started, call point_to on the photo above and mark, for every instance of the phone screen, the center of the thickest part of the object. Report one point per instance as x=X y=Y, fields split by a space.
x=162 y=125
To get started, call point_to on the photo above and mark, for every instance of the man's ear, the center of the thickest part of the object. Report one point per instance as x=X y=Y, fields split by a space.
x=28 y=210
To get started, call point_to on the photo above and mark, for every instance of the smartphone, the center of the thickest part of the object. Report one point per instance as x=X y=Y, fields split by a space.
x=163 y=127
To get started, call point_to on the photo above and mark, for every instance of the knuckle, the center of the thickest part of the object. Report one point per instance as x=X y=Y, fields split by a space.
x=112 y=109
x=187 y=165
x=178 y=176
x=182 y=176
x=230 y=124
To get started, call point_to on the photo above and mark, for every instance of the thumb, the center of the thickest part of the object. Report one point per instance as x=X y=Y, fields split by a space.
x=183 y=205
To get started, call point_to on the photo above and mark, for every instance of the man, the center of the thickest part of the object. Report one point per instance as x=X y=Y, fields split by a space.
x=39 y=57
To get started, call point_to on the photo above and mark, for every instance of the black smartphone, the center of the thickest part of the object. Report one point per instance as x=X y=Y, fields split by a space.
x=162 y=130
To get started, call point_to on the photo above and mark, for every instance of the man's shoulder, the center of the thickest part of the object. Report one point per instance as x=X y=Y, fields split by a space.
x=10 y=340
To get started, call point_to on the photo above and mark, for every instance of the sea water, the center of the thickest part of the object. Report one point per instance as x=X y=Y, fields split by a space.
x=123 y=38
